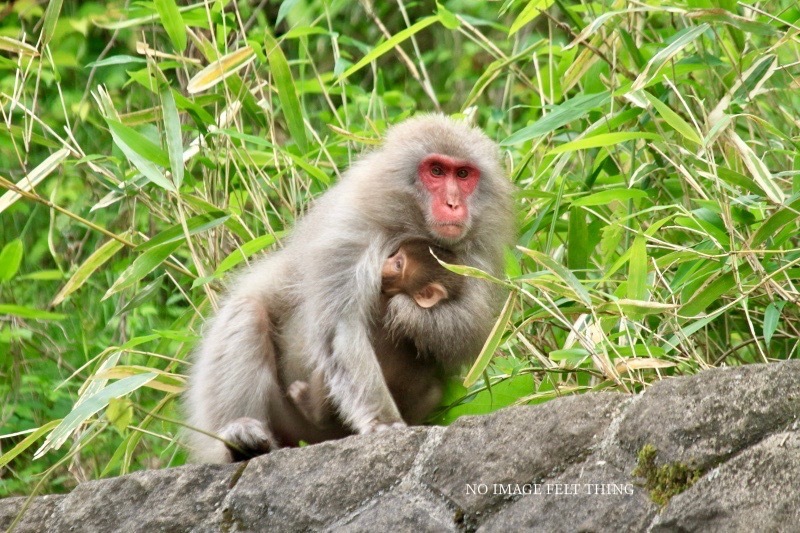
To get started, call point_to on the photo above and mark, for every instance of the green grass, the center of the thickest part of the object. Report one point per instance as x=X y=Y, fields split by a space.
x=654 y=147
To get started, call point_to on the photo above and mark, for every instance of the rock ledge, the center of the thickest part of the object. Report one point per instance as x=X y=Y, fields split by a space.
x=562 y=466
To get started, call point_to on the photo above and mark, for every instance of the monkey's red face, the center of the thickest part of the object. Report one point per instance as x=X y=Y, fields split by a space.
x=450 y=183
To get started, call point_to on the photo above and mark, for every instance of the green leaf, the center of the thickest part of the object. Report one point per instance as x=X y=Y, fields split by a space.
x=313 y=171
x=560 y=115
x=712 y=292
x=29 y=312
x=604 y=139
x=194 y=225
x=240 y=254
x=491 y=344
x=610 y=195
x=726 y=17
x=139 y=143
x=141 y=153
x=578 y=242
x=116 y=60
x=446 y=17
x=772 y=316
x=92 y=263
x=172 y=130
x=221 y=69
x=640 y=350
x=635 y=307
x=173 y=23
x=27 y=442
x=142 y=266
x=530 y=12
x=89 y=407
x=286 y=6
x=50 y=20
x=10 y=260
x=389 y=44
x=673 y=119
x=573 y=356
x=758 y=169
x=776 y=222
x=560 y=271
x=667 y=53
x=637 y=270
x=287 y=92
x=120 y=413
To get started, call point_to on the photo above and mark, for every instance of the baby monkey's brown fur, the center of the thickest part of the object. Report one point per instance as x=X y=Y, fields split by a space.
x=415 y=384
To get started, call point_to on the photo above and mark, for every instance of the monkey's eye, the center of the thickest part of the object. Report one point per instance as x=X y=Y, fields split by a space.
x=436 y=170
x=462 y=173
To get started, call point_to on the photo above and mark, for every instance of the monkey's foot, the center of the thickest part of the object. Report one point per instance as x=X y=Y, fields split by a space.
x=376 y=426
x=248 y=438
x=299 y=391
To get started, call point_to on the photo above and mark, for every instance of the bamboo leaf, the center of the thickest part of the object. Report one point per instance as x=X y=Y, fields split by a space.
x=712 y=292
x=27 y=442
x=116 y=60
x=772 y=316
x=611 y=195
x=604 y=139
x=635 y=307
x=10 y=260
x=666 y=54
x=29 y=312
x=775 y=223
x=573 y=356
x=491 y=344
x=560 y=271
x=8 y=44
x=225 y=66
x=92 y=263
x=673 y=119
x=142 y=266
x=287 y=92
x=388 y=45
x=89 y=407
x=637 y=270
x=578 y=242
x=529 y=12
x=123 y=135
x=194 y=225
x=560 y=115
x=34 y=177
x=172 y=130
x=761 y=174
x=173 y=23
x=50 y=21
x=447 y=18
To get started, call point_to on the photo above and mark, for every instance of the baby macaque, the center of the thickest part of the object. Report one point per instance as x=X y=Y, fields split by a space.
x=415 y=384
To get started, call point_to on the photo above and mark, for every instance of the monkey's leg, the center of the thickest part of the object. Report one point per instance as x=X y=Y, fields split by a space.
x=234 y=380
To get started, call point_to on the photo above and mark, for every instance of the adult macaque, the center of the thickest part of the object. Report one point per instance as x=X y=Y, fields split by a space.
x=312 y=306
x=414 y=384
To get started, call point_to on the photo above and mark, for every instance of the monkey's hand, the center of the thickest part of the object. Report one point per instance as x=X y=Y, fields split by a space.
x=376 y=426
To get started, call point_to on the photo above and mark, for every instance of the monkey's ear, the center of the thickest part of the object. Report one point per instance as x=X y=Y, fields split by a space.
x=430 y=295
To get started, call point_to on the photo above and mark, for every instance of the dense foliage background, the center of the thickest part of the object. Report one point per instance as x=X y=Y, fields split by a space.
x=148 y=148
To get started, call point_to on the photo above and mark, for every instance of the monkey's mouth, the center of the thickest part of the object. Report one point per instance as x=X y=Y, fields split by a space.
x=449 y=230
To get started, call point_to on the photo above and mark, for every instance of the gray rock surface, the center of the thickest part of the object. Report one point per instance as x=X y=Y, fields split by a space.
x=561 y=466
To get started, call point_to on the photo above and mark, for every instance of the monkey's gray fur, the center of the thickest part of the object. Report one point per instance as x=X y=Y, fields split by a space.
x=314 y=304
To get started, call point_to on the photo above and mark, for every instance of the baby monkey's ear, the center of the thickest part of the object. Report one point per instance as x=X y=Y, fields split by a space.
x=430 y=295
